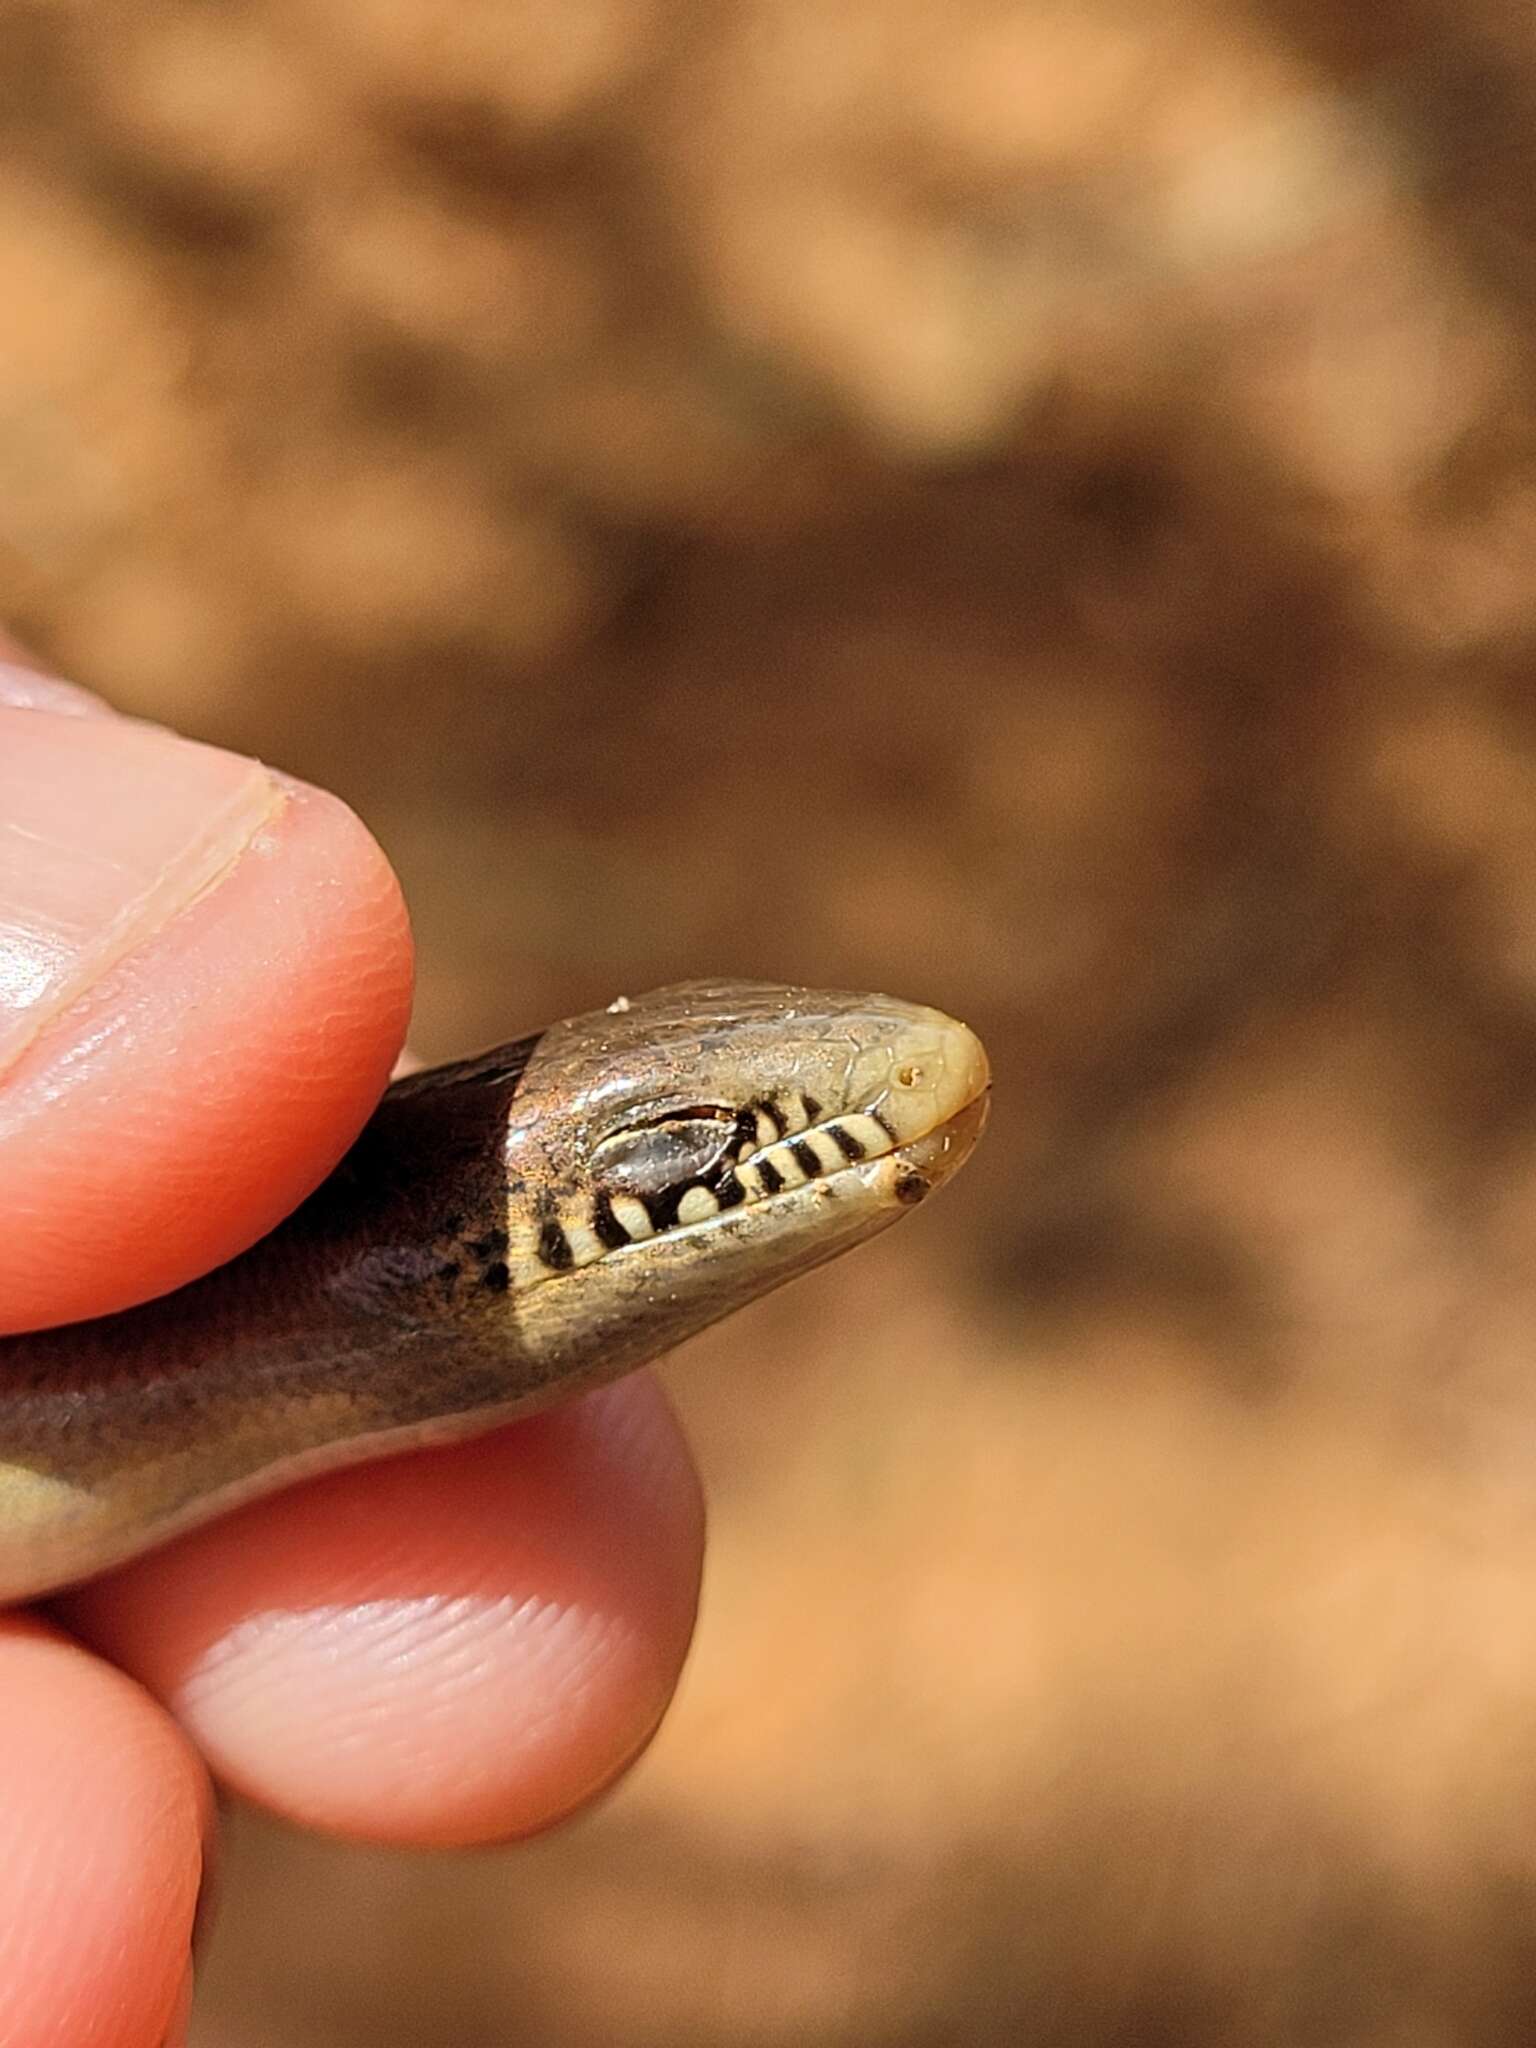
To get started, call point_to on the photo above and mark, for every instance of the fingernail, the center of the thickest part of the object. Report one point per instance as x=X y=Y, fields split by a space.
x=108 y=828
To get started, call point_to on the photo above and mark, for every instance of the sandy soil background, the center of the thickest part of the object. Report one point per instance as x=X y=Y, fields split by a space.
x=1030 y=505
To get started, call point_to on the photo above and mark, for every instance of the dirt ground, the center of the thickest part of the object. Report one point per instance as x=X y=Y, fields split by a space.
x=1033 y=506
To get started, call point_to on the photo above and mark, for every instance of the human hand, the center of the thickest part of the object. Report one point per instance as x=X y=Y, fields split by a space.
x=204 y=979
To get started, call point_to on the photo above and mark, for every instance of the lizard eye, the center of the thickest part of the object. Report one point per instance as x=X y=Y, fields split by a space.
x=659 y=1156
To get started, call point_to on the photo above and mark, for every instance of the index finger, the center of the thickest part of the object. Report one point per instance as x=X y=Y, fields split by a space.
x=205 y=976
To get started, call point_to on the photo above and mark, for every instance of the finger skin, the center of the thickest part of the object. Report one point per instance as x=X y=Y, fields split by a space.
x=187 y=1101
x=448 y=1647
x=25 y=688
x=106 y=1808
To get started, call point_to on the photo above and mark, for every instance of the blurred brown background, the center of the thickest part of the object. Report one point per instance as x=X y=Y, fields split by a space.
x=1032 y=505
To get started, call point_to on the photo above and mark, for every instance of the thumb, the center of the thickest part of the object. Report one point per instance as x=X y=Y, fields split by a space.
x=204 y=979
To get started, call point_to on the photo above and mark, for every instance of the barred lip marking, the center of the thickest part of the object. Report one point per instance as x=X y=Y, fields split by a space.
x=584 y=1241
x=633 y=1215
x=696 y=1204
x=555 y=1246
x=797 y=1155
x=864 y=1130
x=771 y=1121
x=611 y=1232
x=784 y=1163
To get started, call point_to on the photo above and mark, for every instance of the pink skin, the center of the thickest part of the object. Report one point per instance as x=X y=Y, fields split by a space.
x=205 y=1077
x=447 y=1647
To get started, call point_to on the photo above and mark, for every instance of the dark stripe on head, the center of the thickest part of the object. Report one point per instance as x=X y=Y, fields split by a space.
x=555 y=1247
x=501 y=1066
x=728 y=1190
x=845 y=1142
x=807 y=1158
x=885 y=1123
x=772 y=1179
x=812 y=1108
x=610 y=1231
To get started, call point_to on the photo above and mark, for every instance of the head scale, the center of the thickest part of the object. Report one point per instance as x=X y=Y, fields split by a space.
x=671 y=1157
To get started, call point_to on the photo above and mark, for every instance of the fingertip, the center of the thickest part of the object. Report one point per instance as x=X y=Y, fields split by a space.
x=182 y=1104
x=450 y=1647
x=107 y=1810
